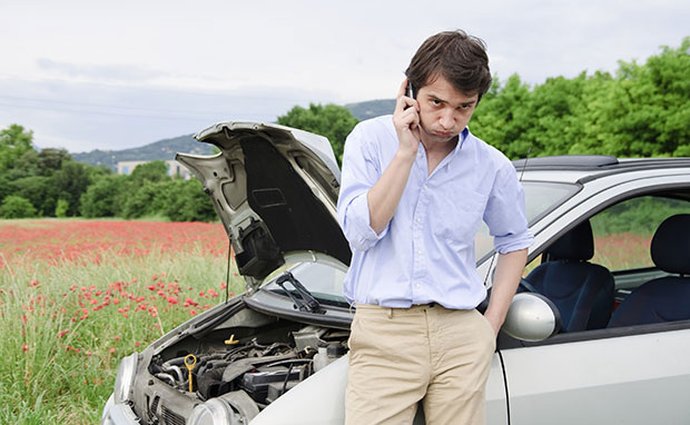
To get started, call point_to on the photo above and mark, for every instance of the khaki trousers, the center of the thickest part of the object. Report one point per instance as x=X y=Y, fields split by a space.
x=399 y=357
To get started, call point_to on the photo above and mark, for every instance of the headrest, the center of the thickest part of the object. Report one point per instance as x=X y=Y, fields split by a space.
x=577 y=244
x=671 y=245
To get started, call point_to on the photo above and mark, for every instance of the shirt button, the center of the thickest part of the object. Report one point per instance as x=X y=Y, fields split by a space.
x=419 y=251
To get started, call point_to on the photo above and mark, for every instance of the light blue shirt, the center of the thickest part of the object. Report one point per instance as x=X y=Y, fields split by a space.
x=426 y=252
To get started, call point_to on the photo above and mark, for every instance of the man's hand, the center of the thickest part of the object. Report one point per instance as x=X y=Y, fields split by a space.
x=406 y=122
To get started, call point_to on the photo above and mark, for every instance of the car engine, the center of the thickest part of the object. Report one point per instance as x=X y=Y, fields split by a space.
x=261 y=366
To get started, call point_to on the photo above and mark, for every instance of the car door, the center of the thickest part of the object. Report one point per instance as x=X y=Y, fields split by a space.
x=631 y=375
x=603 y=379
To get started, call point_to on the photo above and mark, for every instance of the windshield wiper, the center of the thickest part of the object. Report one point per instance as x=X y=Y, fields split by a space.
x=303 y=299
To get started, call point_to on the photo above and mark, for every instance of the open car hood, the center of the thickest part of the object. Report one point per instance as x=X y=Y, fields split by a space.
x=275 y=189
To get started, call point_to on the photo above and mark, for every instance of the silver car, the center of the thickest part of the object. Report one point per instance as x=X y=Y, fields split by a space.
x=599 y=332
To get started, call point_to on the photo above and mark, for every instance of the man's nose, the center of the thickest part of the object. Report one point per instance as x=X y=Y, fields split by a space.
x=446 y=120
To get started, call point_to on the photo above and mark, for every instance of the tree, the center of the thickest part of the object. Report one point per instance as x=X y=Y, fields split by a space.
x=6 y=187
x=61 y=208
x=103 y=197
x=153 y=171
x=71 y=181
x=641 y=111
x=51 y=160
x=644 y=110
x=501 y=118
x=185 y=200
x=34 y=163
x=331 y=121
x=14 y=142
x=666 y=79
x=15 y=206
x=140 y=202
x=26 y=165
x=555 y=120
x=598 y=93
x=39 y=191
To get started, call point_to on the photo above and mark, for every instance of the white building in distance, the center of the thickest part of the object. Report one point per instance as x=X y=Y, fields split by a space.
x=175 y=169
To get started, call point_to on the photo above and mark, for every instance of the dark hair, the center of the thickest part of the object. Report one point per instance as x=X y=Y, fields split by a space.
x=459 y=58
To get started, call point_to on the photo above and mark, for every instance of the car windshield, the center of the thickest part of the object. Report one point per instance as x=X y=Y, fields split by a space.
x=325 y=281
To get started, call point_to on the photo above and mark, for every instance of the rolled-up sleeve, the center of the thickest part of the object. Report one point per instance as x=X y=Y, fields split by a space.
x=360 y=171
x=505 y=213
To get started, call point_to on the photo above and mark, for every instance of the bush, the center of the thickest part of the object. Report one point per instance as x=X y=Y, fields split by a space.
x=176 y=199
x=39 y=191
x=331 y=121
x=185 y=200
x=105 y=197
x=61 y=208
x=141 y=201
x=15 y=206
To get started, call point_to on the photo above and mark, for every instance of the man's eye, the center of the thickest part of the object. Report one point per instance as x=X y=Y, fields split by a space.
x=435 y=101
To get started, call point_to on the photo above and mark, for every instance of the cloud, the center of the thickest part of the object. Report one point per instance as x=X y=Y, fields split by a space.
x=82 y=116
x=80 y=81
x=124 y=73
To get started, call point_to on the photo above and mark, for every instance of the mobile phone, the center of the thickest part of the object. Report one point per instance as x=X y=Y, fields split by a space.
x=410 y=90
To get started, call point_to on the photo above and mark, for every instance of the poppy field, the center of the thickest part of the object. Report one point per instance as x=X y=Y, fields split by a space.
x=78 y=295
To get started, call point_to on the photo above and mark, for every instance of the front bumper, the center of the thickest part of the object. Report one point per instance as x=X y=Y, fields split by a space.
x=118 y=414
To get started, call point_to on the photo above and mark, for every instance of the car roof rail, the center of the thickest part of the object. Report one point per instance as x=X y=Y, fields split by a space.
x=566 y=162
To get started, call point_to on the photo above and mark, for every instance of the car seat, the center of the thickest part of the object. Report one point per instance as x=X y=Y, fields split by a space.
x=667 y=298
x=582 y=291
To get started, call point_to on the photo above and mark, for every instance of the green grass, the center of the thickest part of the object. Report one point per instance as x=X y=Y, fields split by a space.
x=64 y=333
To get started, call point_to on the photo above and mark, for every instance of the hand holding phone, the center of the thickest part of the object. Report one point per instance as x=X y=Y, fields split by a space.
x=406 y=118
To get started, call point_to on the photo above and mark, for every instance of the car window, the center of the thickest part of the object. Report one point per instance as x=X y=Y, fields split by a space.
x=589 y=294
x=623 y=232
x=542 y=197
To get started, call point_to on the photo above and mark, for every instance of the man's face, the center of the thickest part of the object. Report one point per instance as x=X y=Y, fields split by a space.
x=444 y=112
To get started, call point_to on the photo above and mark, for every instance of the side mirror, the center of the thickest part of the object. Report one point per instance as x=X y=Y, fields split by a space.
x=532 y=318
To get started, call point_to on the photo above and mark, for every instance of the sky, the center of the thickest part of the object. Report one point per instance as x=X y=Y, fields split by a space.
x=110 y=75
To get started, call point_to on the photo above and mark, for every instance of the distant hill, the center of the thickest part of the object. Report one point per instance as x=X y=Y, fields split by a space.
x=165 y=149
x=161 y=150
x=373 y=108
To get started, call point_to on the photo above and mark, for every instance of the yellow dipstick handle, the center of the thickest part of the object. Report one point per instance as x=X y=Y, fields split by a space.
x=232 y=340
x=189 y=363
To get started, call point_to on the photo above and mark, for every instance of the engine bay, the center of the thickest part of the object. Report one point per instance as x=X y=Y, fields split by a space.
x=260 y=360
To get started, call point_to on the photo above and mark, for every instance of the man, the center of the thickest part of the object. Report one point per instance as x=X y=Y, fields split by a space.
x=415 y=187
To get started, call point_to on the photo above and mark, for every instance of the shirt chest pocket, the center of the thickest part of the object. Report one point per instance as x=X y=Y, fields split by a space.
x=457 y=214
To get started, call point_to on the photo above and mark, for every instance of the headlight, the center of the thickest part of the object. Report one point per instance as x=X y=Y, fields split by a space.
x=125 y=378
x=214 y=412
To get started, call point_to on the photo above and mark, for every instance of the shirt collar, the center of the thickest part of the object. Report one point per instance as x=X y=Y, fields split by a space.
x=462 y=138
